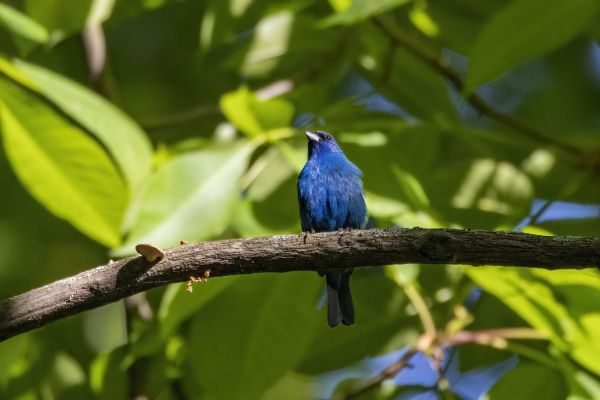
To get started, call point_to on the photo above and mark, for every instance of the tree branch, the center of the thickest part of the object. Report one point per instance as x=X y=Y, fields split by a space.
x=311 y=252
x=478 y=103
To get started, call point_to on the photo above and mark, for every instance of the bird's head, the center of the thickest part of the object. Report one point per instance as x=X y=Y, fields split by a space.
x=321 y=143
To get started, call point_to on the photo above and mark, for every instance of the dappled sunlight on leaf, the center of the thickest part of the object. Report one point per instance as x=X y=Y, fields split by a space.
x=197 y=186
x=254 y=116
x=192 y=130
x=63 y=167
x=559 y=303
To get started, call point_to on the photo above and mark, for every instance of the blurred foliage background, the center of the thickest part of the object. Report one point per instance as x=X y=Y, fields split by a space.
x=128 y=121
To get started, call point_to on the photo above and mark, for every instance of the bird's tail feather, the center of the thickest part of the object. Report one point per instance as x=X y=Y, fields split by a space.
x=339 y=298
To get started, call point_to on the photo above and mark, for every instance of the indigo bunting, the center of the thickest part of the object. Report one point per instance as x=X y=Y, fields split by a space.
x=331 y=198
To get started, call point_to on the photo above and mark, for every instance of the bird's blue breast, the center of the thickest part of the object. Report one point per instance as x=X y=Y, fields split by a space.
x=330 y=194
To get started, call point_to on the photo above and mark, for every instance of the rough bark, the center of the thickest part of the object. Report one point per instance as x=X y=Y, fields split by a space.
x=312 y=252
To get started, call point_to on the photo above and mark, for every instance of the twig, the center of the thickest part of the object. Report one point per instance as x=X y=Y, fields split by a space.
x=531 y=353
x=490 y=336
x=423 y=344
x=422 y=310
x=435 y=343
x=571 y=187
x=309 y=252
x=535 y=217
x=389 y=372
x=498 y=338
x=436 y=62
x=94 y=45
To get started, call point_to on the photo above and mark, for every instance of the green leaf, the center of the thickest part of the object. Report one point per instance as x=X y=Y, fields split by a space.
x=277 y=211
x=8 y=69
x=456 y=22
x=582 y=385
x=574 y=227
x=340 y=5
x=361 y=10
x=381 y=325
x=272 y=170
x=403 y=78
x=254 y=116
x=264 y=323
x=366 y=139
x=100 y=11
x=123 y=138
x=11 y=354
x=411 y=188
x=105 y=328
x=480 y=193
x=61 y=166
x=270 y=42
x=292 y=387
x=21 y=25
x=561 y=304
x=66 y=371
x=523 y=30
x=530 y=381
x=178 y=304
x=191 y=197
x=384 y=207
x=61 y=17
x=108 y=375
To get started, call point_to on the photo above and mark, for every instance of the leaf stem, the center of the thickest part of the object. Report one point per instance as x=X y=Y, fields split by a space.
x=422 y=310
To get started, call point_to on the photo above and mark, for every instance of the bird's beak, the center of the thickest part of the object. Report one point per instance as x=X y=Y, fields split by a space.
x=312 y=136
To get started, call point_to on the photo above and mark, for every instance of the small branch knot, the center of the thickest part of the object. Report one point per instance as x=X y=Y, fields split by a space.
x=435 y=246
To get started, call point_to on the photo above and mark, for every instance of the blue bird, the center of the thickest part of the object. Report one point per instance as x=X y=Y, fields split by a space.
x=330 y=196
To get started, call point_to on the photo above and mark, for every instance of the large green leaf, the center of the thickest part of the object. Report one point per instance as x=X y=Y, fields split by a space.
x=562 y=304
x=108 y=375
x=523 y=30
x=574 y=227
x=273 y=170
x=269 y=44
x=254 y=116
x=191 y=197
x=381 y=325
x=61 y=16
x=252 y=334
x=530 y=381
x=123 y=138
x=104 y=327
x=292 y=387
x=62 y=166
x=582 y=384
x=360 y=10
x=21 y=25
x=10 y=354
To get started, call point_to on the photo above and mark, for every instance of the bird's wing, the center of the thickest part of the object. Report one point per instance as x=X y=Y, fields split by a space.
x=312 y=201
x=346 y=203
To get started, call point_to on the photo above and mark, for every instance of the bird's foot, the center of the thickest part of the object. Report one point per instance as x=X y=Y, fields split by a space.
x=305 y=235
x=341 y=232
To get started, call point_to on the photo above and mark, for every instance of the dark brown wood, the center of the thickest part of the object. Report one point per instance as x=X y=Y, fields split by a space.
x=311 y=252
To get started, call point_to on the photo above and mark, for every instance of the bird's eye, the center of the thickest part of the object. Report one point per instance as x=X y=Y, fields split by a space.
x=327 y=137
